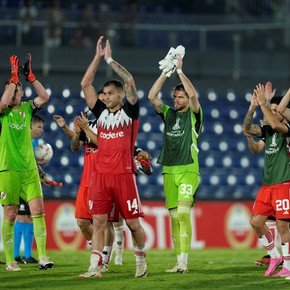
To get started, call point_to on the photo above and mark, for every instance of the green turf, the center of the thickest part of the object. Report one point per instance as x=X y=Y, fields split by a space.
x=208 y=269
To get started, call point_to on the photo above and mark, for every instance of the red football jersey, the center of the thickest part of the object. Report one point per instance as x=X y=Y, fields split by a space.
x=117 y=134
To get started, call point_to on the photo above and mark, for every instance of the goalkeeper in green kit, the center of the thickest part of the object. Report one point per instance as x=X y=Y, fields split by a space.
x=18 y=169
x=179 y=156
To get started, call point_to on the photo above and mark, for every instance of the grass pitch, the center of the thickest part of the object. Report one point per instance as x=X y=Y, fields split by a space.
x=208 y=269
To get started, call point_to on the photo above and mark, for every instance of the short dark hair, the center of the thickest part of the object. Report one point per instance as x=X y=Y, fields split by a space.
x=276 y=100
x=116 y=83
x=179 y=87
x=101 y=91
x=37 y=119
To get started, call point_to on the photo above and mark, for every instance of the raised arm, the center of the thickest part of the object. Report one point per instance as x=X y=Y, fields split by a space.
x=129 y=83
x=282 y=108
x=270 y=117
x=254 y=147
x=154 y=91
x=75 y=142
x=62 y=124
x=42 y=96
x=188 y=86
x=247 y=126
x=10 y=88
x=90 y=93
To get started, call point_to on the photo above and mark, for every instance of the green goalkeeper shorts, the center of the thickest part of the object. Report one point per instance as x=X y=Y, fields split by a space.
x=14 y=184
x=180 y=187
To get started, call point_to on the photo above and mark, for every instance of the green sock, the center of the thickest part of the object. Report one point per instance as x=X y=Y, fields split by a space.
x=185 y=228
x=40 y=234
x=175 y=230
x=8 y=240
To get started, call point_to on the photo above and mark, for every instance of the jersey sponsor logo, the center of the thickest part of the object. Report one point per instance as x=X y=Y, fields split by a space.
x=91 y=150
x=112 y=135
x=17 y=126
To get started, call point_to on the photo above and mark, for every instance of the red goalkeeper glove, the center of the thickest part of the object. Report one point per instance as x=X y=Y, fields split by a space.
x=14 y=63
x=143 y=163
x=27 y=70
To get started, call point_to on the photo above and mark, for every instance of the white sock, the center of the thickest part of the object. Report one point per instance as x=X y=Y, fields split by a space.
x=286 y=255
x=268 y=243
x=184 y=258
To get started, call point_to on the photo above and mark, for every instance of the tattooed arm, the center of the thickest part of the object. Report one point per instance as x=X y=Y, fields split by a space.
x=129 y=83
x=247 y=126
x=154 y=91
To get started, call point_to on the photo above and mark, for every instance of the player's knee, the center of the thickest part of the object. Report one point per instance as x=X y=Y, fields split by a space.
x=255 y=223
x=134 y=225
x=83 y=224
x=183 y=216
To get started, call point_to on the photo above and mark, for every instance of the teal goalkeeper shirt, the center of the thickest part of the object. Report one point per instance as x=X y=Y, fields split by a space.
x=181 y=131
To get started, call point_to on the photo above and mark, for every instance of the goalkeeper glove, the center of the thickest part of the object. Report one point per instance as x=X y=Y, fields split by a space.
x=27 y=70
x=169 y=57
x=14 y=63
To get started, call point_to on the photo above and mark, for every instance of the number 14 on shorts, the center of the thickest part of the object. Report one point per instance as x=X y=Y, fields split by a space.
x=133 y=205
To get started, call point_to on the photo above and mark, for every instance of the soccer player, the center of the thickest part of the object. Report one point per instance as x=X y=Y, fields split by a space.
x=114 y=181
x=273 y=196
x=179 y=158
x=23 y=226
x=18 y=169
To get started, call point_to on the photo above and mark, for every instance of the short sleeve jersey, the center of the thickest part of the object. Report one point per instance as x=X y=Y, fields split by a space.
x=277 y=159
x=117 y=134
x=16 y=151
x=181 y=131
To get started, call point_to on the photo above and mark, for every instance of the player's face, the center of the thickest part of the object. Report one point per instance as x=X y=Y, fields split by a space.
x=16 y=99
x=36 y=129
x=180 y=100
x=113 y=97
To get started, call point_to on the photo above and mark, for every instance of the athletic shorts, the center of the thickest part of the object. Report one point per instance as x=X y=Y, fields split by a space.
x=82 y=204
x=119 y=190
x=180 y=187
x=273 y=200
x=23 y=208
x=14 y=184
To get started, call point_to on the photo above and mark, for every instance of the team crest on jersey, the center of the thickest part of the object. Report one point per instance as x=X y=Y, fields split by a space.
x=22 y=114
x=3 y=195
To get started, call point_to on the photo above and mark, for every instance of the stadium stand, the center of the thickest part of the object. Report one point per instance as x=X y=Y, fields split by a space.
x=228 y=170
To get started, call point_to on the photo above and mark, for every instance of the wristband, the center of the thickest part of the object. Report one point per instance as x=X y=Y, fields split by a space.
x=109 y=60
x=179 y=71
x=262 y=104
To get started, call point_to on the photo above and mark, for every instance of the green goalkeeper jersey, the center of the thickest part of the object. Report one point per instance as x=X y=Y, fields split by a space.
x=181 y=131
x=16 y=152
x=277 y=159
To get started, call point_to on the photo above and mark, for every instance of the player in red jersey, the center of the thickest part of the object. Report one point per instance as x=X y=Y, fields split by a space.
x=78 y=138
x=114 y=181
x=273 y=196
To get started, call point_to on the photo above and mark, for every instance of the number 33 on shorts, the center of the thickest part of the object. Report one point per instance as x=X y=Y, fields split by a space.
x=185 y=191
